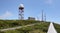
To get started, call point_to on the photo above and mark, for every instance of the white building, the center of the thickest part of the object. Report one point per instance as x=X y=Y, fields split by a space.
x=31 y=18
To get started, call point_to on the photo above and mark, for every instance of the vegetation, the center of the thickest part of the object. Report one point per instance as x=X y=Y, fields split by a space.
x=41 y=27
x=57 y=27
x=14 y=23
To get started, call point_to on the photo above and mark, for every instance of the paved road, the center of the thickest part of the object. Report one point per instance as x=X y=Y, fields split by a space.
x=17 y=27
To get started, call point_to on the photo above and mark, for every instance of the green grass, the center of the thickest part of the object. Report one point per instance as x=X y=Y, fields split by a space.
x=57 y=27
x=36 y=28
x=14 y=23
x=42 y=27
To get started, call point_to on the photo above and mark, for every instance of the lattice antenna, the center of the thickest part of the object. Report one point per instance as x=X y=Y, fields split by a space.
x=21 y=12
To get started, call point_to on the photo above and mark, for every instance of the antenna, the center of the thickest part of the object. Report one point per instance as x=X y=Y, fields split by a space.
x=38 y=18
x=42 y=15
x=45 y=17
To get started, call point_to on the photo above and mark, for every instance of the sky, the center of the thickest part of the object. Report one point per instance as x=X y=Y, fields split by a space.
x=32 y=8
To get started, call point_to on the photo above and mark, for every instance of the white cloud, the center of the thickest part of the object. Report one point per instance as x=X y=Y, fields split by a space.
x=5 y=15
x=48 y=1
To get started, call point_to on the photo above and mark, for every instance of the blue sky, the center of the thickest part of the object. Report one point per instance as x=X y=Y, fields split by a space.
x=33 y=8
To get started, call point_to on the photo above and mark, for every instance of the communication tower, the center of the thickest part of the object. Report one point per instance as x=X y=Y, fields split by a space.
x=21 y=12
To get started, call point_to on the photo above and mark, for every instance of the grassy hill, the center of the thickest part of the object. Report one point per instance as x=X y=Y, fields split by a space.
x=14 y=23
x=42 y=27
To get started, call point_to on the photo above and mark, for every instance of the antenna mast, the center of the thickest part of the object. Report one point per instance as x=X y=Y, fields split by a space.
x=42 y=15
x=45 y=17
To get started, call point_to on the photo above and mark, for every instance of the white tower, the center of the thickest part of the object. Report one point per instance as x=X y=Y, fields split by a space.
x=51 y=29
x=21 y=12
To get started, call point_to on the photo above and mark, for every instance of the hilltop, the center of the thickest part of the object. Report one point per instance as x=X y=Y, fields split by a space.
x=41 y=27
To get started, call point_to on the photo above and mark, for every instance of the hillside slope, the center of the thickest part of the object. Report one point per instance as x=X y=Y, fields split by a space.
x=42 y=27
